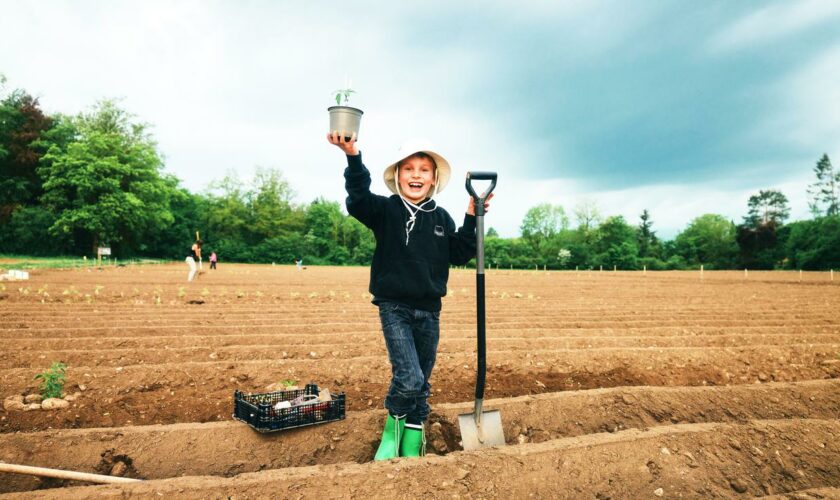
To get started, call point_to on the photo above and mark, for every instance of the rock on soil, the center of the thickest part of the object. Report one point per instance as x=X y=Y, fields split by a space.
x=12 y=403
x=54 y=404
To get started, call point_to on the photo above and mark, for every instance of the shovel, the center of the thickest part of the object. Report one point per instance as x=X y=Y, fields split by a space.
x=480 y=428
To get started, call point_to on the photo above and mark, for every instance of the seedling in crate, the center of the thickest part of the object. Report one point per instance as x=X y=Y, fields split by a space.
x=52 y=380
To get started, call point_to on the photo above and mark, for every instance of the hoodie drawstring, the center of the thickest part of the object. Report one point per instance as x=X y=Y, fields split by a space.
x=412 y=214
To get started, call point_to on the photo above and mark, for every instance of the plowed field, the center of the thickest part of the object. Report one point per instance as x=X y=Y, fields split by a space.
x=610 y=385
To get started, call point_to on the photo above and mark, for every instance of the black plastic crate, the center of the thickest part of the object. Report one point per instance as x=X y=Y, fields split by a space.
x=257 y=410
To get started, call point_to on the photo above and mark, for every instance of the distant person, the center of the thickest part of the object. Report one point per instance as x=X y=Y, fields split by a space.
x=193 y=255
x=213 y=260
x=299 y=263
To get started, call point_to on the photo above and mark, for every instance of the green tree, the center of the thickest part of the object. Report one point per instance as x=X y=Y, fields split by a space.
x=616 y=244
x=587 y=215
x=542 y=222
x=825 y=192
x=812 y=244
x=227 y=216
x=756 y=237
x=106 y=185
x=647 y=237
x=767 y=207
x=708 y=240
x=270 y=202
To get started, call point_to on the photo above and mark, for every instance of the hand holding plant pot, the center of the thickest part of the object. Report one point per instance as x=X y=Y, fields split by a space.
x=344 y=119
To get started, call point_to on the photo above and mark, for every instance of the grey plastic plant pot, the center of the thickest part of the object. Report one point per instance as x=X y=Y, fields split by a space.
x=345 y=118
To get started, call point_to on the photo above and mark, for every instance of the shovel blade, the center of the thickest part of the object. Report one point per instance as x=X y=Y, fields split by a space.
x=488 y=433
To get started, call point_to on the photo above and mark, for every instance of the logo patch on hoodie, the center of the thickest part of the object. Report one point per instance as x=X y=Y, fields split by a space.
x=439 y=231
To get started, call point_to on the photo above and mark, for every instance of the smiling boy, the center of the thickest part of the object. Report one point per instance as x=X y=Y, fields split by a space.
x=416 y=241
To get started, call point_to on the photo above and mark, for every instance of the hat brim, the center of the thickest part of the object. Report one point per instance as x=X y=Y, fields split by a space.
x=444 y=171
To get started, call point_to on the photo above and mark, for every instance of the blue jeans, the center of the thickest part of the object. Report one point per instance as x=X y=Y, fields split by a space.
x=411 y=337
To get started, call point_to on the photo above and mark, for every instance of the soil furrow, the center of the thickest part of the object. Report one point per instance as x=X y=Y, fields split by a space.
x=154 y=451
x=690 y=460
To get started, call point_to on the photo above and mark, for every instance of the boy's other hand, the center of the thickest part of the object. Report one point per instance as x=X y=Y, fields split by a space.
x=471 y=207
x=336 y=138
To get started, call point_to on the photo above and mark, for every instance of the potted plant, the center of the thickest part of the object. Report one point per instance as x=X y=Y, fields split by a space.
x=342 y=116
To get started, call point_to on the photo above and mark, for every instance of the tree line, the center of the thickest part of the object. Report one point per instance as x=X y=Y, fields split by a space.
x=69 y=184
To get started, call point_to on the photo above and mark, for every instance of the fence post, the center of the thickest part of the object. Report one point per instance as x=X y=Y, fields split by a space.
x=601 y=269
x=644 y=270
x=800 y=275
x=614 y=268
x=701 y=271
x=832 y=275
x=745 y=273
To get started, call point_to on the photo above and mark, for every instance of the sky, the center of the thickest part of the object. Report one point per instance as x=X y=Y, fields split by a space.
x=678 y=107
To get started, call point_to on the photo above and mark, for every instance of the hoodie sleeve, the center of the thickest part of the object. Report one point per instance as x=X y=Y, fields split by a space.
x=462 y=242
x=365 y=206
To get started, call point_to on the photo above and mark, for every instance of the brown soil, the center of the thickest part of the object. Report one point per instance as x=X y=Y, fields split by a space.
x=564 y=352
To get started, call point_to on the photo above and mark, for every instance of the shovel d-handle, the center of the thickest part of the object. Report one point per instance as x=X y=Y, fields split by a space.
x=479 y=200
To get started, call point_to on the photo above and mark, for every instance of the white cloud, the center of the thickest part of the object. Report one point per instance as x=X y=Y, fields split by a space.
x=774 y=22
x=808 y=114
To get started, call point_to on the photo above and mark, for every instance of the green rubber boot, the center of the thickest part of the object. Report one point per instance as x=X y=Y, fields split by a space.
x=391 y=436
x=413 y=442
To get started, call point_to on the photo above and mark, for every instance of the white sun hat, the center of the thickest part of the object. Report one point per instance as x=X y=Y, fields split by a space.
x=410 y=147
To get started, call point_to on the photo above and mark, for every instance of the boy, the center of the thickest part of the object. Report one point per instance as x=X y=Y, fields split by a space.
x=416 y=241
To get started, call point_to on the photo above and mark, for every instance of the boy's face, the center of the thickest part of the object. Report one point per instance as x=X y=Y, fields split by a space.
x=416 y=177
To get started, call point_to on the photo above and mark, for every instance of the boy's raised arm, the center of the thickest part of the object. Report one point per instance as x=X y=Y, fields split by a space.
x=365 y=206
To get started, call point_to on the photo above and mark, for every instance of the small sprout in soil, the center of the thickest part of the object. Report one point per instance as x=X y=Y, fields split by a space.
x=52 y=380
x=258 y=293
x=313 y=295
x=97 y=289
x=288 y=382
x=23 y=291
x=294 y=294
x=205 y=292
x=181 y=292
x=240 y=294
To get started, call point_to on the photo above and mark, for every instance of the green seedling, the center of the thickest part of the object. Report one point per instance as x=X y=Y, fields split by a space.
x=343 y=94
x=205 y=292
x=52 y=380
x=181 y=292
x=97 y=289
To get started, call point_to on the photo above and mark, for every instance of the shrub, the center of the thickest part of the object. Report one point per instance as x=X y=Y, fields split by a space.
x=52 y=380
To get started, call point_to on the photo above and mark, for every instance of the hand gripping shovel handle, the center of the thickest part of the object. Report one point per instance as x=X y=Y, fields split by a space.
x=478 y=202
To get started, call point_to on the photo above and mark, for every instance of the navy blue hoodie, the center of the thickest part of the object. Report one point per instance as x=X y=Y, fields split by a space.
x=414 y=274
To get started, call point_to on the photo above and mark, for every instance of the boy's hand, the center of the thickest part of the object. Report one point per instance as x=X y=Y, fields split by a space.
x=471 y=207
x=336 y=138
